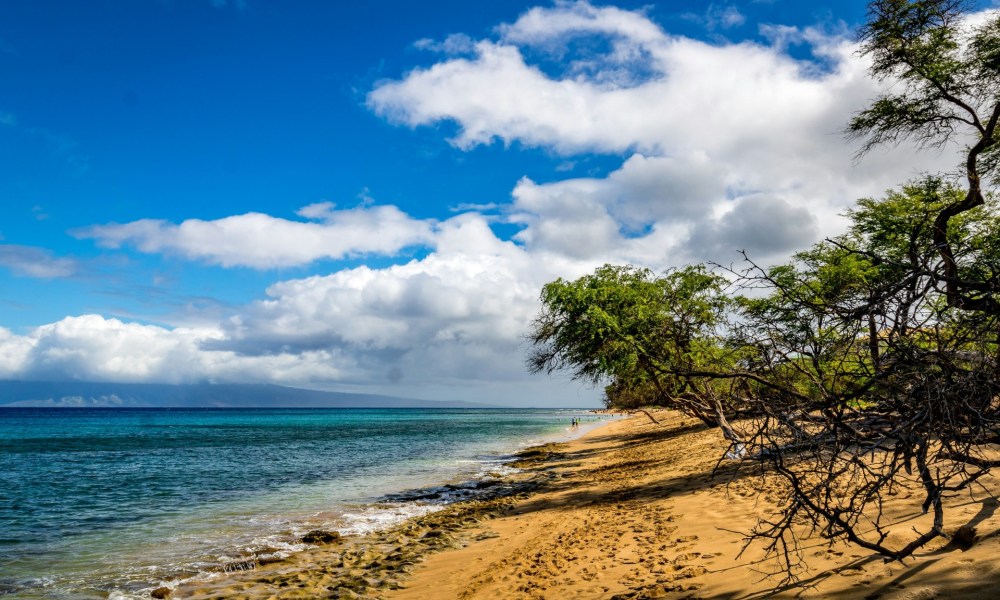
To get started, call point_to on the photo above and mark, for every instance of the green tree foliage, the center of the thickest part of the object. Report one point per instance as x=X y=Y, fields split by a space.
x=880 y=346
x=852 y=372
x=877 y=283
x=643 y=333
x=875 y=379
x=946 y=87
x=871 y=362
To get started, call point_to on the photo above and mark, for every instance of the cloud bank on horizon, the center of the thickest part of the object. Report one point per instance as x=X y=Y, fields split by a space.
x=723 y=146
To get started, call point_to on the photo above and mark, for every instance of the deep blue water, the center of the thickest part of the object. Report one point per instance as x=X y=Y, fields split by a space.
x=113 y=501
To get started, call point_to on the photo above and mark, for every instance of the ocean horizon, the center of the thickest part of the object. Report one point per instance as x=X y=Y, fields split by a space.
x=114 y=502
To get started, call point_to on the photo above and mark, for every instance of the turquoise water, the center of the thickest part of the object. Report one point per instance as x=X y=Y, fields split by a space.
x=113 y=502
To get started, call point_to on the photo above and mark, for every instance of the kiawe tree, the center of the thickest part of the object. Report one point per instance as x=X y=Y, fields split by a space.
x=945 y=73
x=643 y=333
x=868 y=368
x=886 y=338
x=878 y=385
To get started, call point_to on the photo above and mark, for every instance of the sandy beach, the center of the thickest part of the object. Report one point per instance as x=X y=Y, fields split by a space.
x=631 y=510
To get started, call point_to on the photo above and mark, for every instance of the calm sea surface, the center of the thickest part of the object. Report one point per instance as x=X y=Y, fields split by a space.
x=112 y=502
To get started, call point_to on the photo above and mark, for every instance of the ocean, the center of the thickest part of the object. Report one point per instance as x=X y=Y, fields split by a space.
x=99 y=503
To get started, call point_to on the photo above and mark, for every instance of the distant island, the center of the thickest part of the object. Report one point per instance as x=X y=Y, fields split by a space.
x=82 y=394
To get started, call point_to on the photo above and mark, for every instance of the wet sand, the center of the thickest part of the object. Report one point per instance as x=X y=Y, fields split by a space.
x=631 y=510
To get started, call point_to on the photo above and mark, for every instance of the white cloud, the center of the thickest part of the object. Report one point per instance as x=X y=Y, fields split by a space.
x=95 y=348
x=724 y=146
x=449 y=326
x=14 y=351
x=709 y=130
x=545 y=26
x=30 y=261
x=723 y=17
x=458 y=43
x=262 y=241
x=92 y=347
x=687 y=90
x=475 y=293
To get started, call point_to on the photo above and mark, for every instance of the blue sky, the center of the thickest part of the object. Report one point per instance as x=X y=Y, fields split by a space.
x=367 y=196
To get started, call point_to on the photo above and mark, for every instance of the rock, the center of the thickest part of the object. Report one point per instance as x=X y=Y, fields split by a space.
x=434 y=533
x=657 y=591
x=160 y=593
x=318 y=536
x=964 y=537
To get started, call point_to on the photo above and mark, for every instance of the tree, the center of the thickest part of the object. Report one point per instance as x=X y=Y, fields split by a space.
x=871 y=362
x=644 y=334
x=876 y=382
x=949 y=73
x=884 y=342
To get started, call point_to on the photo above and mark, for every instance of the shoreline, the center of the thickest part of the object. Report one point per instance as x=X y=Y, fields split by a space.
x=171 y=497
x=392 y=514
x=628 y=511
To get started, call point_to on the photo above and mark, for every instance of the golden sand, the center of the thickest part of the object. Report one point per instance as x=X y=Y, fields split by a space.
x=631 y=510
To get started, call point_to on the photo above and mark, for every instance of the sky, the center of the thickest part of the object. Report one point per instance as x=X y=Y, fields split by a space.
x=369 y=196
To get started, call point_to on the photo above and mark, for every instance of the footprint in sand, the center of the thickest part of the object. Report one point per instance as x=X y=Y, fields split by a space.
x=926 y=593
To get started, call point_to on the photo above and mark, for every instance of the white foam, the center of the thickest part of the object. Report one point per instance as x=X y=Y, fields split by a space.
x=498 y=470
x=278 y=535
x=383 y=516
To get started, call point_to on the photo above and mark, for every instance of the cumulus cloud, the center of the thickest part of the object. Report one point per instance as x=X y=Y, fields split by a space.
x=469 y=289
x=723 y=146
x=689 y=89
x=769 y=227
x=448 y=326
x=96 y=348
x=706 y=130
x=457 y=315
x=261 y=241
x=31 y=261
x=14 y=350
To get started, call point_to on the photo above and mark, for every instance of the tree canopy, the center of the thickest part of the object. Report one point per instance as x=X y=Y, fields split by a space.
x=946 y=73
x=870 y=361
x=644 y=333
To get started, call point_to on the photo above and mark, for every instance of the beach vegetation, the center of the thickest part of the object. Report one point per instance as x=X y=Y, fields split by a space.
x=645 y=334
x=877 y=383
x=898 y=318
x=866 y=369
